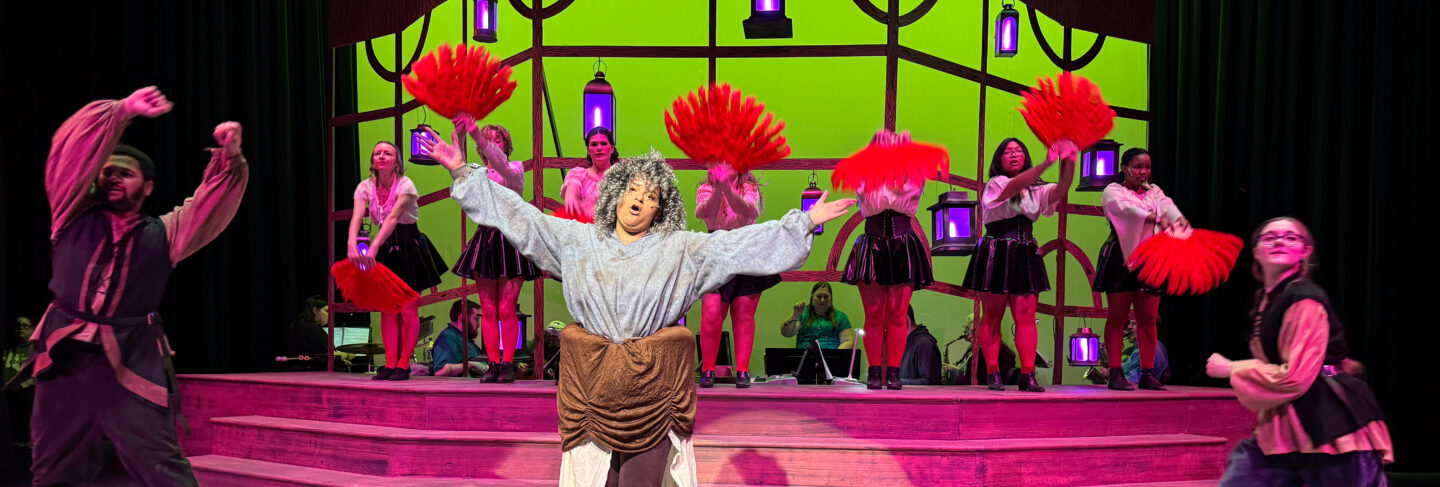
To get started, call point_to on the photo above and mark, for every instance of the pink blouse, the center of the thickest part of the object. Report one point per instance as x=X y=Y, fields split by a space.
x=726 y=218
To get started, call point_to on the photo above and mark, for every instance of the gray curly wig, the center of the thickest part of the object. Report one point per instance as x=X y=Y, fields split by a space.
x=653 y=170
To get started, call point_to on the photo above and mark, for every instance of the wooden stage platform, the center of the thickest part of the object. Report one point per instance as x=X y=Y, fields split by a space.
x=330 y=429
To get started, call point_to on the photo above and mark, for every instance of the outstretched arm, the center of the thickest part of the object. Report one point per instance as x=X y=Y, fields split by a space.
x=197 y=222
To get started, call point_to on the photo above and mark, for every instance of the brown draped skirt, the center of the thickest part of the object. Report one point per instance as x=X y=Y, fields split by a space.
x=626 y=396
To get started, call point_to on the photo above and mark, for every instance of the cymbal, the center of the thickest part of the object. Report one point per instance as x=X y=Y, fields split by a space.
x=362 y=349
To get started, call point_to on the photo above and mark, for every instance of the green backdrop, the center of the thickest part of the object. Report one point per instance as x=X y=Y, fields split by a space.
x=831 y=107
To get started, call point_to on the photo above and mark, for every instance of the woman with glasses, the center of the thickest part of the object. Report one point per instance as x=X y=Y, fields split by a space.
x=1137 y=210
x=1006 y=268
x=1318 y=423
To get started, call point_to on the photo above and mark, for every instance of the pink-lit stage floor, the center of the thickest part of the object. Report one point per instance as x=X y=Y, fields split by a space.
x=323 y=429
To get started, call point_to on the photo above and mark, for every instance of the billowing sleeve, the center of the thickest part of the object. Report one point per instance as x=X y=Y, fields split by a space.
x=761 y=249
x=1303 y=337
x=77 y=152
x=543 y=238
x=1121 y=209
x=200 y=219
x=1037 y=203
x=1166 y=206
x=702 y=196
x=993 y=188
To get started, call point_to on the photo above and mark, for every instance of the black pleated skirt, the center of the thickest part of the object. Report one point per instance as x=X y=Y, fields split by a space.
x=889 y=253
x=1007 y=260
x=490 y=256
x=410 y=255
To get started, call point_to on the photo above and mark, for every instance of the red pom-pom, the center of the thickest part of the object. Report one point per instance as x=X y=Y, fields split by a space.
x=1070 y=108
x=891 y=160
x=1179 y=264
x=377 y=288
x=563 y=213
x=467 y=80
x=713 y=124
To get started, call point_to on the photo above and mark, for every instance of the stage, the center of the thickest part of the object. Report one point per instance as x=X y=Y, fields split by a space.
x=324 y=429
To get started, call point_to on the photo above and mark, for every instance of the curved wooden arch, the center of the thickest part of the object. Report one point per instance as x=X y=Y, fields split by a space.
x=394 y=76
x=545 y=12
x=906 y=19
x=1062 y=63
x=1084 y=260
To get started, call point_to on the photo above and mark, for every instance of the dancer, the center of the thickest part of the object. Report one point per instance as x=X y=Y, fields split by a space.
x=1318 y=423
x=582 y=187
x=1136 y=210
x=626 y=394
x=888 y=262
x=388 y=197
x=101 y=357
x=1006 y=268
x=727 y=201
x=498 y=269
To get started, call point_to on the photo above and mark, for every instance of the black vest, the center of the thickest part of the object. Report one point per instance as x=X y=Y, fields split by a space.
x=1334 y=406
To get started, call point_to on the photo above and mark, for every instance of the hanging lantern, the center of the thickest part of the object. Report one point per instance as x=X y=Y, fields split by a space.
x=1084 y=348
x=1007 y=31
x=767 y=20
x=808 y=199
x=956 y=230
x=599 y=104
x=419 y=154
x=487 y=18
x=1100 y=166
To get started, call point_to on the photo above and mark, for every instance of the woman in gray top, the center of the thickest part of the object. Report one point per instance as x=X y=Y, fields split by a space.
x=626 y=386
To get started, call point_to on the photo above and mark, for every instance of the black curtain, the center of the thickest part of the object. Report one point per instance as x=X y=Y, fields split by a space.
x=1321 y=110
x=259 y=63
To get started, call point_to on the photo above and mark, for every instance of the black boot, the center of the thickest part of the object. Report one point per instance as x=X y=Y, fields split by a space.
x=491 y=372
x=1028 y=383
x=892 y=378
x=400 y=373
x=707 y=379
x=873 y=379
x=1118 y=381
x=383 y=373
x=1149 y=382
x=506 y=374
x=742 y=380
x=997 y=383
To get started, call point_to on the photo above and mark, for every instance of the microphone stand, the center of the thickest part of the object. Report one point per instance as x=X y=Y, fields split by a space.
x=849 y=378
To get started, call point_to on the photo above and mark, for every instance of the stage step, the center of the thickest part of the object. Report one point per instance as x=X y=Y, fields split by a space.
x=383 y=451
x=929 y=412
x=1181 y=483
x=223 y=471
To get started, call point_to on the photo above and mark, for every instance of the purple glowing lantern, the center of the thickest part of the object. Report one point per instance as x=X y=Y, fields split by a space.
x=599 y=104
x=768 y=21
x=1007 y=32
x=808 y=199
x=955 y=230
x=1100 y=166
x=419 y=153
x=487 y=18
x=1084 y=348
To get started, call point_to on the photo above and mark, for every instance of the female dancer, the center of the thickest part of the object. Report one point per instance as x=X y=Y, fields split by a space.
x=498 y=269
x=1006 y=268
x=1319 y=424
x=388 y=197
x=727 y=201
x=1136 y=210
x=582 y=187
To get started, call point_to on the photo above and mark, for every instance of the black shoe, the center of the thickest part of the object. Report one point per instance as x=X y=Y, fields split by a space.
x=707 y=379
x=892 y=378
x=1028 y=383
x=742 y=380
x=873 y=379
x=383 y=373
x=491 y=372
x=400 y=373
x=996 y=383
x=1149 y=382
x=1118 y=381
x=506 y=374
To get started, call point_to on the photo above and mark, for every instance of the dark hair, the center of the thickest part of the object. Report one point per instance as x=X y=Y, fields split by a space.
x=810 y=305
x=307 y=312
x=1131 y=153
x=1000 y=150
x=399 y=163
x=147 y=166
x=455 y=308
x=1305 y=266
x=507 y=146
x=608 y=136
